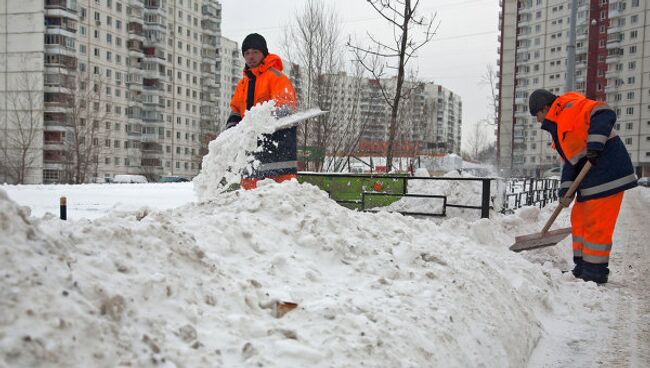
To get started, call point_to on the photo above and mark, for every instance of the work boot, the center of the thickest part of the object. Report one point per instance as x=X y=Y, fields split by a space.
x=577 y=270
x=597 y=273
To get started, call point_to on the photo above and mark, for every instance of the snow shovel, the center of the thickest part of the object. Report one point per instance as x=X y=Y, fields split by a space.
x=547 y=238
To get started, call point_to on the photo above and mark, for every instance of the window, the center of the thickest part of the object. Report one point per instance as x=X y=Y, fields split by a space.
x=118 y=7
x=632 y=49
x=96 y=34
x=96 y=52
x=629 y=126
x=109 y=20
x=630 y=80
x=629 y=110
x=631 y=65
x=118 y=24
x=634 y=34
x=628 y=141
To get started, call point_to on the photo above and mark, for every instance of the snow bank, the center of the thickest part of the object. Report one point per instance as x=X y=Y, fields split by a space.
x=197 y=286
x=230 y=154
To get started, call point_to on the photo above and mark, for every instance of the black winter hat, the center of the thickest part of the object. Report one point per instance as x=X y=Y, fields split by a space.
x=539 y=99
x=254 y=41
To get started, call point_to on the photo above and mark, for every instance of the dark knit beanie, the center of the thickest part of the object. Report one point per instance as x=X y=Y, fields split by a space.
x=254 y=41
x=539 y=99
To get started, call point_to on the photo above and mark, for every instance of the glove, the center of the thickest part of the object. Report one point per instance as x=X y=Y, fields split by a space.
x=592 y=156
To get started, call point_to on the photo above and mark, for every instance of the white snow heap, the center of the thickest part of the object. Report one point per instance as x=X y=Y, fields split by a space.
x=230 y=154
x=192 y=287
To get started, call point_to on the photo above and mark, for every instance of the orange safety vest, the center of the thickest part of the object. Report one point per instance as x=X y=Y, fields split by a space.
x=571 y=113
x=270 y=84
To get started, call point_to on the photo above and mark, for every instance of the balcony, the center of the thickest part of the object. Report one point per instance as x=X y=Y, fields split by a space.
x=134 y=77
x=68 y=26
x=135 y=29
x=60 y=8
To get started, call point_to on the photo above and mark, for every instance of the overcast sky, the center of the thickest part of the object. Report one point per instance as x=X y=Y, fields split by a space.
x=457 y=57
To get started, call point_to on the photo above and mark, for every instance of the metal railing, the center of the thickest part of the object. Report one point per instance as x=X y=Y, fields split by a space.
x=484 y=207
x=529 y=192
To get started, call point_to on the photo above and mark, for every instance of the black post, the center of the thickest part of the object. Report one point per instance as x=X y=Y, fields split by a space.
x=63 y=210
x=485 y=200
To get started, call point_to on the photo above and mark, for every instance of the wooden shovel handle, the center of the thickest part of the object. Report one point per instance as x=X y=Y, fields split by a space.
x=569 y=194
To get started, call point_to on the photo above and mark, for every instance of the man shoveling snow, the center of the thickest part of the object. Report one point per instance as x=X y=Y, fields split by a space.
x=264 y=81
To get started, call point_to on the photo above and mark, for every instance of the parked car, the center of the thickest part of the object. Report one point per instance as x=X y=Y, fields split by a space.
x=173 y=179
x=130 y=179
x=644 y=182
x=556 y=171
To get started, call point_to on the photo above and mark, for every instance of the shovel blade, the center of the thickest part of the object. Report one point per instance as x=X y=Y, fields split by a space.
x=539 y=240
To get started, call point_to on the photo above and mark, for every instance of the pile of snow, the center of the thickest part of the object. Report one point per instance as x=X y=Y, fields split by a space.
x=199 y=286
x=231 y=153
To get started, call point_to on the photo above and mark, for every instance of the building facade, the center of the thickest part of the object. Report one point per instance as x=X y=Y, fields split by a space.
x=128 y=86
x=611 y=59
x=229 y=71
x=21 y=91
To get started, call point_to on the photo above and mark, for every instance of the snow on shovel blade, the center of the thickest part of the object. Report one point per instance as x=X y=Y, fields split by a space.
x=297 y=118
x=539 y=240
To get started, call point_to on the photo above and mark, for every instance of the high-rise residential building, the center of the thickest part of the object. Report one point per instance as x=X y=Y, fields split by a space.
x=230 y=64
x=444 y=119
x=612 y=57
x=429 y=120
x=128 y=87
x=21 y=89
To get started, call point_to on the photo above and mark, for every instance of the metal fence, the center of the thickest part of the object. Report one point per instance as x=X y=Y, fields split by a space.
x=349 y=190
x=521 y=192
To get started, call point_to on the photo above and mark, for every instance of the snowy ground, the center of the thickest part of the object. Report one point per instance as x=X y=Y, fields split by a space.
x=171 y=275
x=134 y=283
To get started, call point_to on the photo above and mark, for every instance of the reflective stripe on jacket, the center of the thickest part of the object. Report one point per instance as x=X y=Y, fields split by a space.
x=577 y=125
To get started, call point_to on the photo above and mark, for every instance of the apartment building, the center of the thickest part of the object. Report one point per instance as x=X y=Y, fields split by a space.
x=429 y=120
x=444 y=111
x=128 y=86
x=611 y=52
x=230 y=64
x=21 y=91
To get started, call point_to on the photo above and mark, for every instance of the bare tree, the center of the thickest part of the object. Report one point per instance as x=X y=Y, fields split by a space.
x=23 y=128
x=491 y=79
x=401 y=14
x=477 y=139
x=313 y=41
x=83 y=139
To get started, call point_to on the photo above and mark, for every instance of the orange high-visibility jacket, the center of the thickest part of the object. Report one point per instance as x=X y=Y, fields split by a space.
x=577 y=125
x=572 y=112
x=269 y=84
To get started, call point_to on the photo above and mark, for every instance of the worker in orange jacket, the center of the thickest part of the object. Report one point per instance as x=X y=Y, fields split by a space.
x=264 y=81
x=583 y=130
